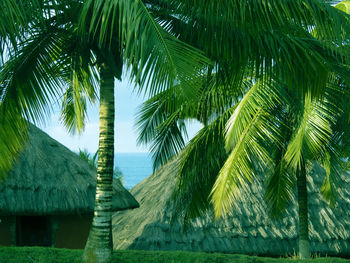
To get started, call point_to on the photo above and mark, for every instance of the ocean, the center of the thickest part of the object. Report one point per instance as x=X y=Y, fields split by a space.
x=134 y=166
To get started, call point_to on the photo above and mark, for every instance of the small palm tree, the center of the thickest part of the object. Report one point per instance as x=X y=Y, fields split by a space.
x=92 y=161
x=285 y=142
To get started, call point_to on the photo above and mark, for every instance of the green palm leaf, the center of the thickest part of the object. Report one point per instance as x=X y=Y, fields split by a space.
x=312 y=134
x=16 y=18
x=250 y=125
x=198 y=166
x=157 y=59
x=24 y=79
x=169 y=140
x=344 y=6
x=267 y=14
x=236 y=172
x=264 y=35
x=82 y=79
x=173 y=107
x=281 y=180
x=13 y=134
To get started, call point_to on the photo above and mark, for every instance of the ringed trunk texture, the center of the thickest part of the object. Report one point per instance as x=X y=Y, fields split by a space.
x=304 y=242
x=99 y=245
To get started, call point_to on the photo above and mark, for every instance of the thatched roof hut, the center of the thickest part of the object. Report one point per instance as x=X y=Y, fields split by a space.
x=50 y=180
x=248 y=230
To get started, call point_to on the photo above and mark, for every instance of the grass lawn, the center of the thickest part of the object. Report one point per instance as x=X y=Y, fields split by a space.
x=55 y=255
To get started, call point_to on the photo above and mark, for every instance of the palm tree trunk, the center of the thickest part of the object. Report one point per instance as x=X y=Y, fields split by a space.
x=304 y=242
x=99 y=246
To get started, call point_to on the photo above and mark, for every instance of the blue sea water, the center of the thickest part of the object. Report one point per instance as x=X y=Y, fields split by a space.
x=134 y=166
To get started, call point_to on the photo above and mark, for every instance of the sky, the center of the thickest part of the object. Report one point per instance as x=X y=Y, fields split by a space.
x=127 y=102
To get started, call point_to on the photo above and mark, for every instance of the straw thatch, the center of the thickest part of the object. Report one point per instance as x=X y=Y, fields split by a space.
x=248 y=230
x=48 y=178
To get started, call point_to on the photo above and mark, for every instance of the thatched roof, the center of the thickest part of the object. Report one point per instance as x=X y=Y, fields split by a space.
x=50 y=179
x=248 y=230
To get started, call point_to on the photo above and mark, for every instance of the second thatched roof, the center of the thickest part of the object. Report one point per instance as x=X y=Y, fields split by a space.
x=248 y=230
x=48 y=178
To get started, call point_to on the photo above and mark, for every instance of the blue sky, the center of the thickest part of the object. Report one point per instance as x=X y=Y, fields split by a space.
x=126 y=135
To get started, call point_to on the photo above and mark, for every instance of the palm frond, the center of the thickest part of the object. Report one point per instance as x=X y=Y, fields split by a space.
x=157 y=59
x=281 y=180
x=173 y=107
x=82 y=79
x=198 y=166
x=262 y=36
x=331 y=164
x=334 y=159
x=13 y=134
x=343 y=6
x=33 y=60
x=279 y=189
x=312 y=134
x=31 y=79
x=249 y=126
x=161 y=123
x=267 y=14
x=257 y=97
x=169 y=140
x=236 y=173
x=16 y=20
x=152 y=113
x=74 y=109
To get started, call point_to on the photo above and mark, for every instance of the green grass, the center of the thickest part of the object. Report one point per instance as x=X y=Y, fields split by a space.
x=54 y=255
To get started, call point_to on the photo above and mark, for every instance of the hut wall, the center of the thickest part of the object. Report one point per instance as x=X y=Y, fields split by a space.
x=71 y=231
x=7 y=226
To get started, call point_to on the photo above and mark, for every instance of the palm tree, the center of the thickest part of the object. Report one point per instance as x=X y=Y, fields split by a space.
x=155 y=124
x=269 y=127
x=285 y=143
x=53 y=55
x=315 y=137
x=87 y=157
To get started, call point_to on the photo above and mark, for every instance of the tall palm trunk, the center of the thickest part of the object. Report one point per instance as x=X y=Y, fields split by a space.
x=304 y=242
x=99 y=246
